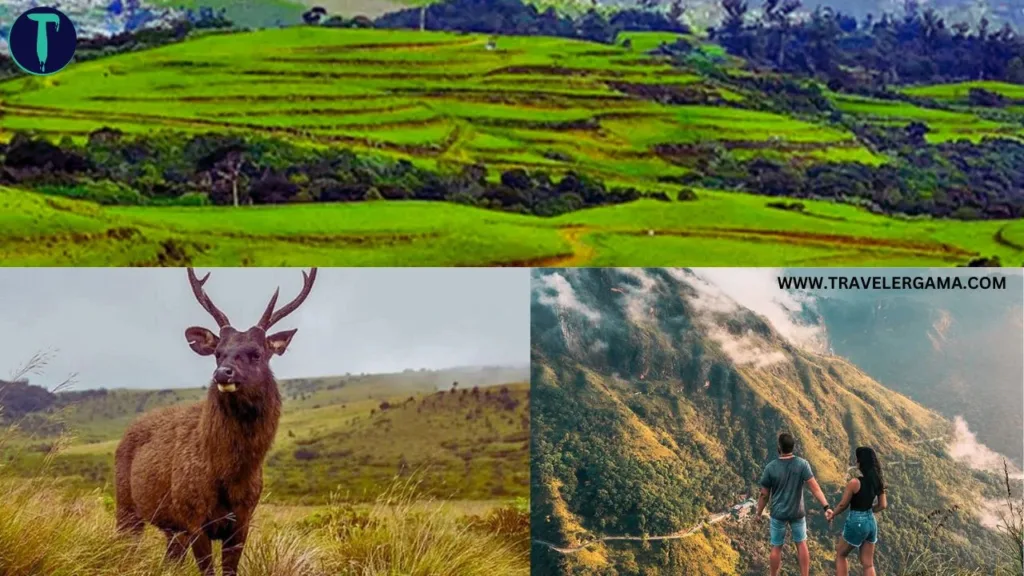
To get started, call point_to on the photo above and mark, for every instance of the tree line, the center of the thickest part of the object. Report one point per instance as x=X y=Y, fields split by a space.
x=514 y=17
x=918 y=46
x=170 y=168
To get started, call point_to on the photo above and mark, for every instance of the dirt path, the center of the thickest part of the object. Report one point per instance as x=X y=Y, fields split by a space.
x=675 y=536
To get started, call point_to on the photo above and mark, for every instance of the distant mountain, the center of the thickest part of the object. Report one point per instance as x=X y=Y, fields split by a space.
x=958 y=353
x=657 y=400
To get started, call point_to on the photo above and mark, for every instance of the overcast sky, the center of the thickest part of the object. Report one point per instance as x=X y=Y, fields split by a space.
x=123 y=327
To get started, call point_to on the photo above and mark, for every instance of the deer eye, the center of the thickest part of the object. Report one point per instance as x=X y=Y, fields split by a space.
x=254 y=355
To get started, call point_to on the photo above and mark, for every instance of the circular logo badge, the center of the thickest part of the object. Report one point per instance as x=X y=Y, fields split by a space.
x=42 y=41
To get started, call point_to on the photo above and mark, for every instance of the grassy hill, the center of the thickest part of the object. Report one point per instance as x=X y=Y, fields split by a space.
x=656 y=404
x=350 y=435
x=721 y=228
x=443 y=101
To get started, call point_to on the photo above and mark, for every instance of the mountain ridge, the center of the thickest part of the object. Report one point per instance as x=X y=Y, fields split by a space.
x=660 y=378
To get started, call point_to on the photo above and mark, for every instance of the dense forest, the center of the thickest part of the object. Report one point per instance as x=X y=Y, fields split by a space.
x=515 y=17
x=959 y=180
x=915 y=47
x=657 y=405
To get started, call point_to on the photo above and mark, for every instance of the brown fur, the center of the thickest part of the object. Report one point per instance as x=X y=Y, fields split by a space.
x=196 y=472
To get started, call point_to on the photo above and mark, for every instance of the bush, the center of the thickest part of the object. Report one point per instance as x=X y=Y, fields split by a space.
x=186 y=199
x=686 y=195
x=104 y=192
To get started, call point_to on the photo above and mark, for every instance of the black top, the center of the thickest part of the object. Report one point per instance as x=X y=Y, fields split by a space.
x=864 y=499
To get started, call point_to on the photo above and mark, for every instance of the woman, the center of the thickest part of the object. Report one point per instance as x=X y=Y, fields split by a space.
x=863 y=496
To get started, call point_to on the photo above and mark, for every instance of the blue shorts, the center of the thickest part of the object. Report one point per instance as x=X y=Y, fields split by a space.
x=860 y=527
x=778 y=531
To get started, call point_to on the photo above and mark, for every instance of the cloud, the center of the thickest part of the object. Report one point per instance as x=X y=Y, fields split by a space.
x=637 y=299
x=728 y=290
x=966 y=448
x=555 y=290
x=746 y=350
x=757 y=289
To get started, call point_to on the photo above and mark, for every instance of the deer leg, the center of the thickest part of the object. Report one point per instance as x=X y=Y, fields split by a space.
x=202 y=549
x=232 y=546
x=177 y=546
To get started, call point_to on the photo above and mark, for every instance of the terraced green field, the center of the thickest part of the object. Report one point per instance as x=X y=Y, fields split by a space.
x=944 y=125
x=444 y=100
x=959 y=92
x=434 y=97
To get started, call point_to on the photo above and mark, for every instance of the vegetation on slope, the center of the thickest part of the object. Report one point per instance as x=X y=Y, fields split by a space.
x=528 y=124
x=45 y=530
x=646 y=423
x=350 y=435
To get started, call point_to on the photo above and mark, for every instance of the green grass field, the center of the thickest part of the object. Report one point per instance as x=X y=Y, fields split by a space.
x=336 y=436
x=443 y=100
x=719 y=228
x=958 y=93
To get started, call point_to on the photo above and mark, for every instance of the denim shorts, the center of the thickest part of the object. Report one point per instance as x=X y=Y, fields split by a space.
x=778 y=531
x=860 y=527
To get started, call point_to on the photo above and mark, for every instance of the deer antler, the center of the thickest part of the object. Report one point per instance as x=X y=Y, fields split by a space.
x=270 y=317
x=204 y=300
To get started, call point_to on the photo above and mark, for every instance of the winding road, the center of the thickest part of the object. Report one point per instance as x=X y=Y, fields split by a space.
x=675 y=536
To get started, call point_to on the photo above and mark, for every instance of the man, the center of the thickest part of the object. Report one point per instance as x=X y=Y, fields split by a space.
x=783 y=481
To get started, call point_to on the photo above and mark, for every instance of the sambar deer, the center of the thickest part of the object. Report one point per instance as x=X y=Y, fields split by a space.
x=196 y=472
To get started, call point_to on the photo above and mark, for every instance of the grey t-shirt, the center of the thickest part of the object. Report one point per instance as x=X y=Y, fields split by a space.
x=784 y=479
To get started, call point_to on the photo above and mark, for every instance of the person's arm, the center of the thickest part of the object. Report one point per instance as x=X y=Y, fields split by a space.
x=881 y=504
x=762 y=501
x=812 y=483
x=766 y=486
x=851 y=488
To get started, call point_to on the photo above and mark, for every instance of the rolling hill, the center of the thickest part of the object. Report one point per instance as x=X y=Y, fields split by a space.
x=350 y=435
x=657 y=400
x=539 y=104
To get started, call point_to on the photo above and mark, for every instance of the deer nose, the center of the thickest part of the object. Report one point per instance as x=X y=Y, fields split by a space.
x=223 y=374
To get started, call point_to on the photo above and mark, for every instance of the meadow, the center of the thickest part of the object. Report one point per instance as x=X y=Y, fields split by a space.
x=444 y=101
x=719 y=228
x=367 y=472
x=351 y=435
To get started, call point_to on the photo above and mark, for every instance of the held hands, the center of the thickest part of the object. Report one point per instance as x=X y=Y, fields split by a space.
x=829 y=515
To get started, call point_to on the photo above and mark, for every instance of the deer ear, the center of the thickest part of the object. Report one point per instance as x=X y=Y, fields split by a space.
x=278 y=342
x=201 y=340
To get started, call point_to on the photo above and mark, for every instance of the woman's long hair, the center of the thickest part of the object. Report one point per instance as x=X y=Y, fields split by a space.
x=870 y=468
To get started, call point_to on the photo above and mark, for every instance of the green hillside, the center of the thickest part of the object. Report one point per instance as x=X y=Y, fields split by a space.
x=656 y=405
x=350 y=435
x=443 y=101
x=721 y=228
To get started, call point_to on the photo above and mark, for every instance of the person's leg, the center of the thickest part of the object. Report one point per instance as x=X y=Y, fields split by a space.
x=803 y=555
x=778 y=538
x=867 y=558
x=775 y=560
x=843 y=550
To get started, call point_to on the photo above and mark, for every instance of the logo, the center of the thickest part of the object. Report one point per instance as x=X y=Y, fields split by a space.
x=42 y=41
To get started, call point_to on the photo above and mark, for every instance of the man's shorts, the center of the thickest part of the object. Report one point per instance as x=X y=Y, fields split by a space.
x=778 y=531
x=860 y=527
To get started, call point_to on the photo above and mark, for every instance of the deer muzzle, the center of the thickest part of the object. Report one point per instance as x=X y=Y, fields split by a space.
x=224 y=377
